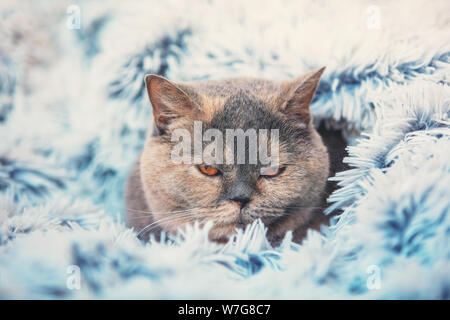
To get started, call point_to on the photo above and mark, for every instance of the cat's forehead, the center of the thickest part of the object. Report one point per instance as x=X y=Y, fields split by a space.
x=237 y=103
x=244 y=103
x=244 y=111
x=229 y=87
x=213 y=96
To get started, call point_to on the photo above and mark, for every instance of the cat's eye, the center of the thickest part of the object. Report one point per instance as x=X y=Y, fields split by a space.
x=207 y=170
x=271 y=172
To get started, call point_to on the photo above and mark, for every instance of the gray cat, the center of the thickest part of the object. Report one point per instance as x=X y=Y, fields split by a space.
x=165 y=195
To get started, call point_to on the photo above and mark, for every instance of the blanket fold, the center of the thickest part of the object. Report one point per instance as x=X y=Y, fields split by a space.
x=74 y=114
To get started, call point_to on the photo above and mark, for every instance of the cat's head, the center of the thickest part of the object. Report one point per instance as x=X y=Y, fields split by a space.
x=224 y=190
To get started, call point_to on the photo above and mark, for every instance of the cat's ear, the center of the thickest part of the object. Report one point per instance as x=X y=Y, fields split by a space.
x=299 y=94
x=169 y=102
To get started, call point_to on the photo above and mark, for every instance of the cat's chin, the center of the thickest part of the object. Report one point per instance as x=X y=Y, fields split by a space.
x=221 y=233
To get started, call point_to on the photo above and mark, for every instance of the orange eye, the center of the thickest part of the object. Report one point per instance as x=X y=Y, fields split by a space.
x=209 y=171
x=271 y=171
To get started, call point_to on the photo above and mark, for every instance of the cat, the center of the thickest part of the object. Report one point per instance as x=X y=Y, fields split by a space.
x=164 y=195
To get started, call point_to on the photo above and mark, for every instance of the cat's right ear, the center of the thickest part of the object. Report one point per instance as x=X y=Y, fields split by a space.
x=169 y=102
x=299 y=95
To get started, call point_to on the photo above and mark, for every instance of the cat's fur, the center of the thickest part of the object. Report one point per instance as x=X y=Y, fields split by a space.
x=163 y=195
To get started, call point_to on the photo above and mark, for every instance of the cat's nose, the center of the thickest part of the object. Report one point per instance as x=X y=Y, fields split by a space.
x=240 y=192
x=241 y=199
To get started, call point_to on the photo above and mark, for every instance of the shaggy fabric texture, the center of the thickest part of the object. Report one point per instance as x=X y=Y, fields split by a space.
x=74 y=114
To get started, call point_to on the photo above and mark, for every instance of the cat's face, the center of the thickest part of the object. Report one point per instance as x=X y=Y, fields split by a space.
x=223 y=191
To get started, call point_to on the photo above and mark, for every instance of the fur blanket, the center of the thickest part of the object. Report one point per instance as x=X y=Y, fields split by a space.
x=74 y=113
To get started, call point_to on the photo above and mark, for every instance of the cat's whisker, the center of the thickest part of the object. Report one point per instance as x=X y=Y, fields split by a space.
x=157 y=225
x=146 y=213
x=173 y=215
x=305 y=207
x=161 y=212
x=291 y=207
x=200 y=219
x=165 y=219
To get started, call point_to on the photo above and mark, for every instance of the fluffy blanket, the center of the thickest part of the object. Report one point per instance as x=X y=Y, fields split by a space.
x=74 y=113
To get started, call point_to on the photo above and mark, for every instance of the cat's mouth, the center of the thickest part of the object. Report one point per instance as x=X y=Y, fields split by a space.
x=222 y=230
x=221 y=233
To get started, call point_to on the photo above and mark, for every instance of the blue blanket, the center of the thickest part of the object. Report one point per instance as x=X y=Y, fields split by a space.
x=74 y=114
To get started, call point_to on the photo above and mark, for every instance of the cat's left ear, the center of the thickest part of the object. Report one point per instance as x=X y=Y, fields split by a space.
x=299 y=94
x=168 y=100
